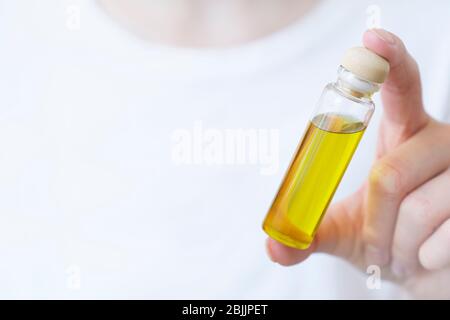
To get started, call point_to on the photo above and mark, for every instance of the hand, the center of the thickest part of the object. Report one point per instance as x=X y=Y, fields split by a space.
x=400 y=217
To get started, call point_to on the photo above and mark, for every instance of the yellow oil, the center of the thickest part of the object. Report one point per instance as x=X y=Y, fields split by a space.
x=313 y=176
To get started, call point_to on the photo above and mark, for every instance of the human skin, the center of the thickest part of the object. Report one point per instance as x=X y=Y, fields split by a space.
x=399 y=218
x=205 y=23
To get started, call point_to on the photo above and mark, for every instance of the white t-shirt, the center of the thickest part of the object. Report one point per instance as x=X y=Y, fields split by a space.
x=94 y=202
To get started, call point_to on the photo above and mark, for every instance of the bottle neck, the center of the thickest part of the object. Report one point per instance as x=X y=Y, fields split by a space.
x=354 y=86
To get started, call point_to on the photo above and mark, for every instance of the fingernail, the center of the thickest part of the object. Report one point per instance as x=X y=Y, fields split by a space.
x=374 y=255
x=384 y=35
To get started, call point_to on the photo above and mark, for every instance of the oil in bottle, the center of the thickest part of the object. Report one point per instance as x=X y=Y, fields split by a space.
x=318 y=164
x=331 y=138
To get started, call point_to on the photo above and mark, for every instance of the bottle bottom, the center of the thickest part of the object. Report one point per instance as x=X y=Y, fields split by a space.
x=299 y=240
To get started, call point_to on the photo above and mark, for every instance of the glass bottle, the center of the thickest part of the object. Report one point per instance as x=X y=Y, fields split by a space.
x=332 y=136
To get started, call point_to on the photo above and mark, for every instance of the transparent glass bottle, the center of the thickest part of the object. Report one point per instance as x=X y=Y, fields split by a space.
x=335 y=129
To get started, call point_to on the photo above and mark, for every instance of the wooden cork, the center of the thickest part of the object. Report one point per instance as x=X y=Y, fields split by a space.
x=365 y=64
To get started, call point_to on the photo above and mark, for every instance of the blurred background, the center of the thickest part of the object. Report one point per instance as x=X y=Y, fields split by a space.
x=142 y=142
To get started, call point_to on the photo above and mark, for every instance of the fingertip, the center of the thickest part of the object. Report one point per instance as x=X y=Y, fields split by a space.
x=269 y=250
x=385 y=44
x=284 y=255
x=401 y=91
x=434 y=253
x=381 y=36
x=427 y=258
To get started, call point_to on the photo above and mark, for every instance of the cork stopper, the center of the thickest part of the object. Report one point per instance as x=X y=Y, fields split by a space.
x=366 y=64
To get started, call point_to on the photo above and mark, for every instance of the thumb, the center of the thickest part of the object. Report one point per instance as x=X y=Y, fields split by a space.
x=401 y=93
x=336 y=234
